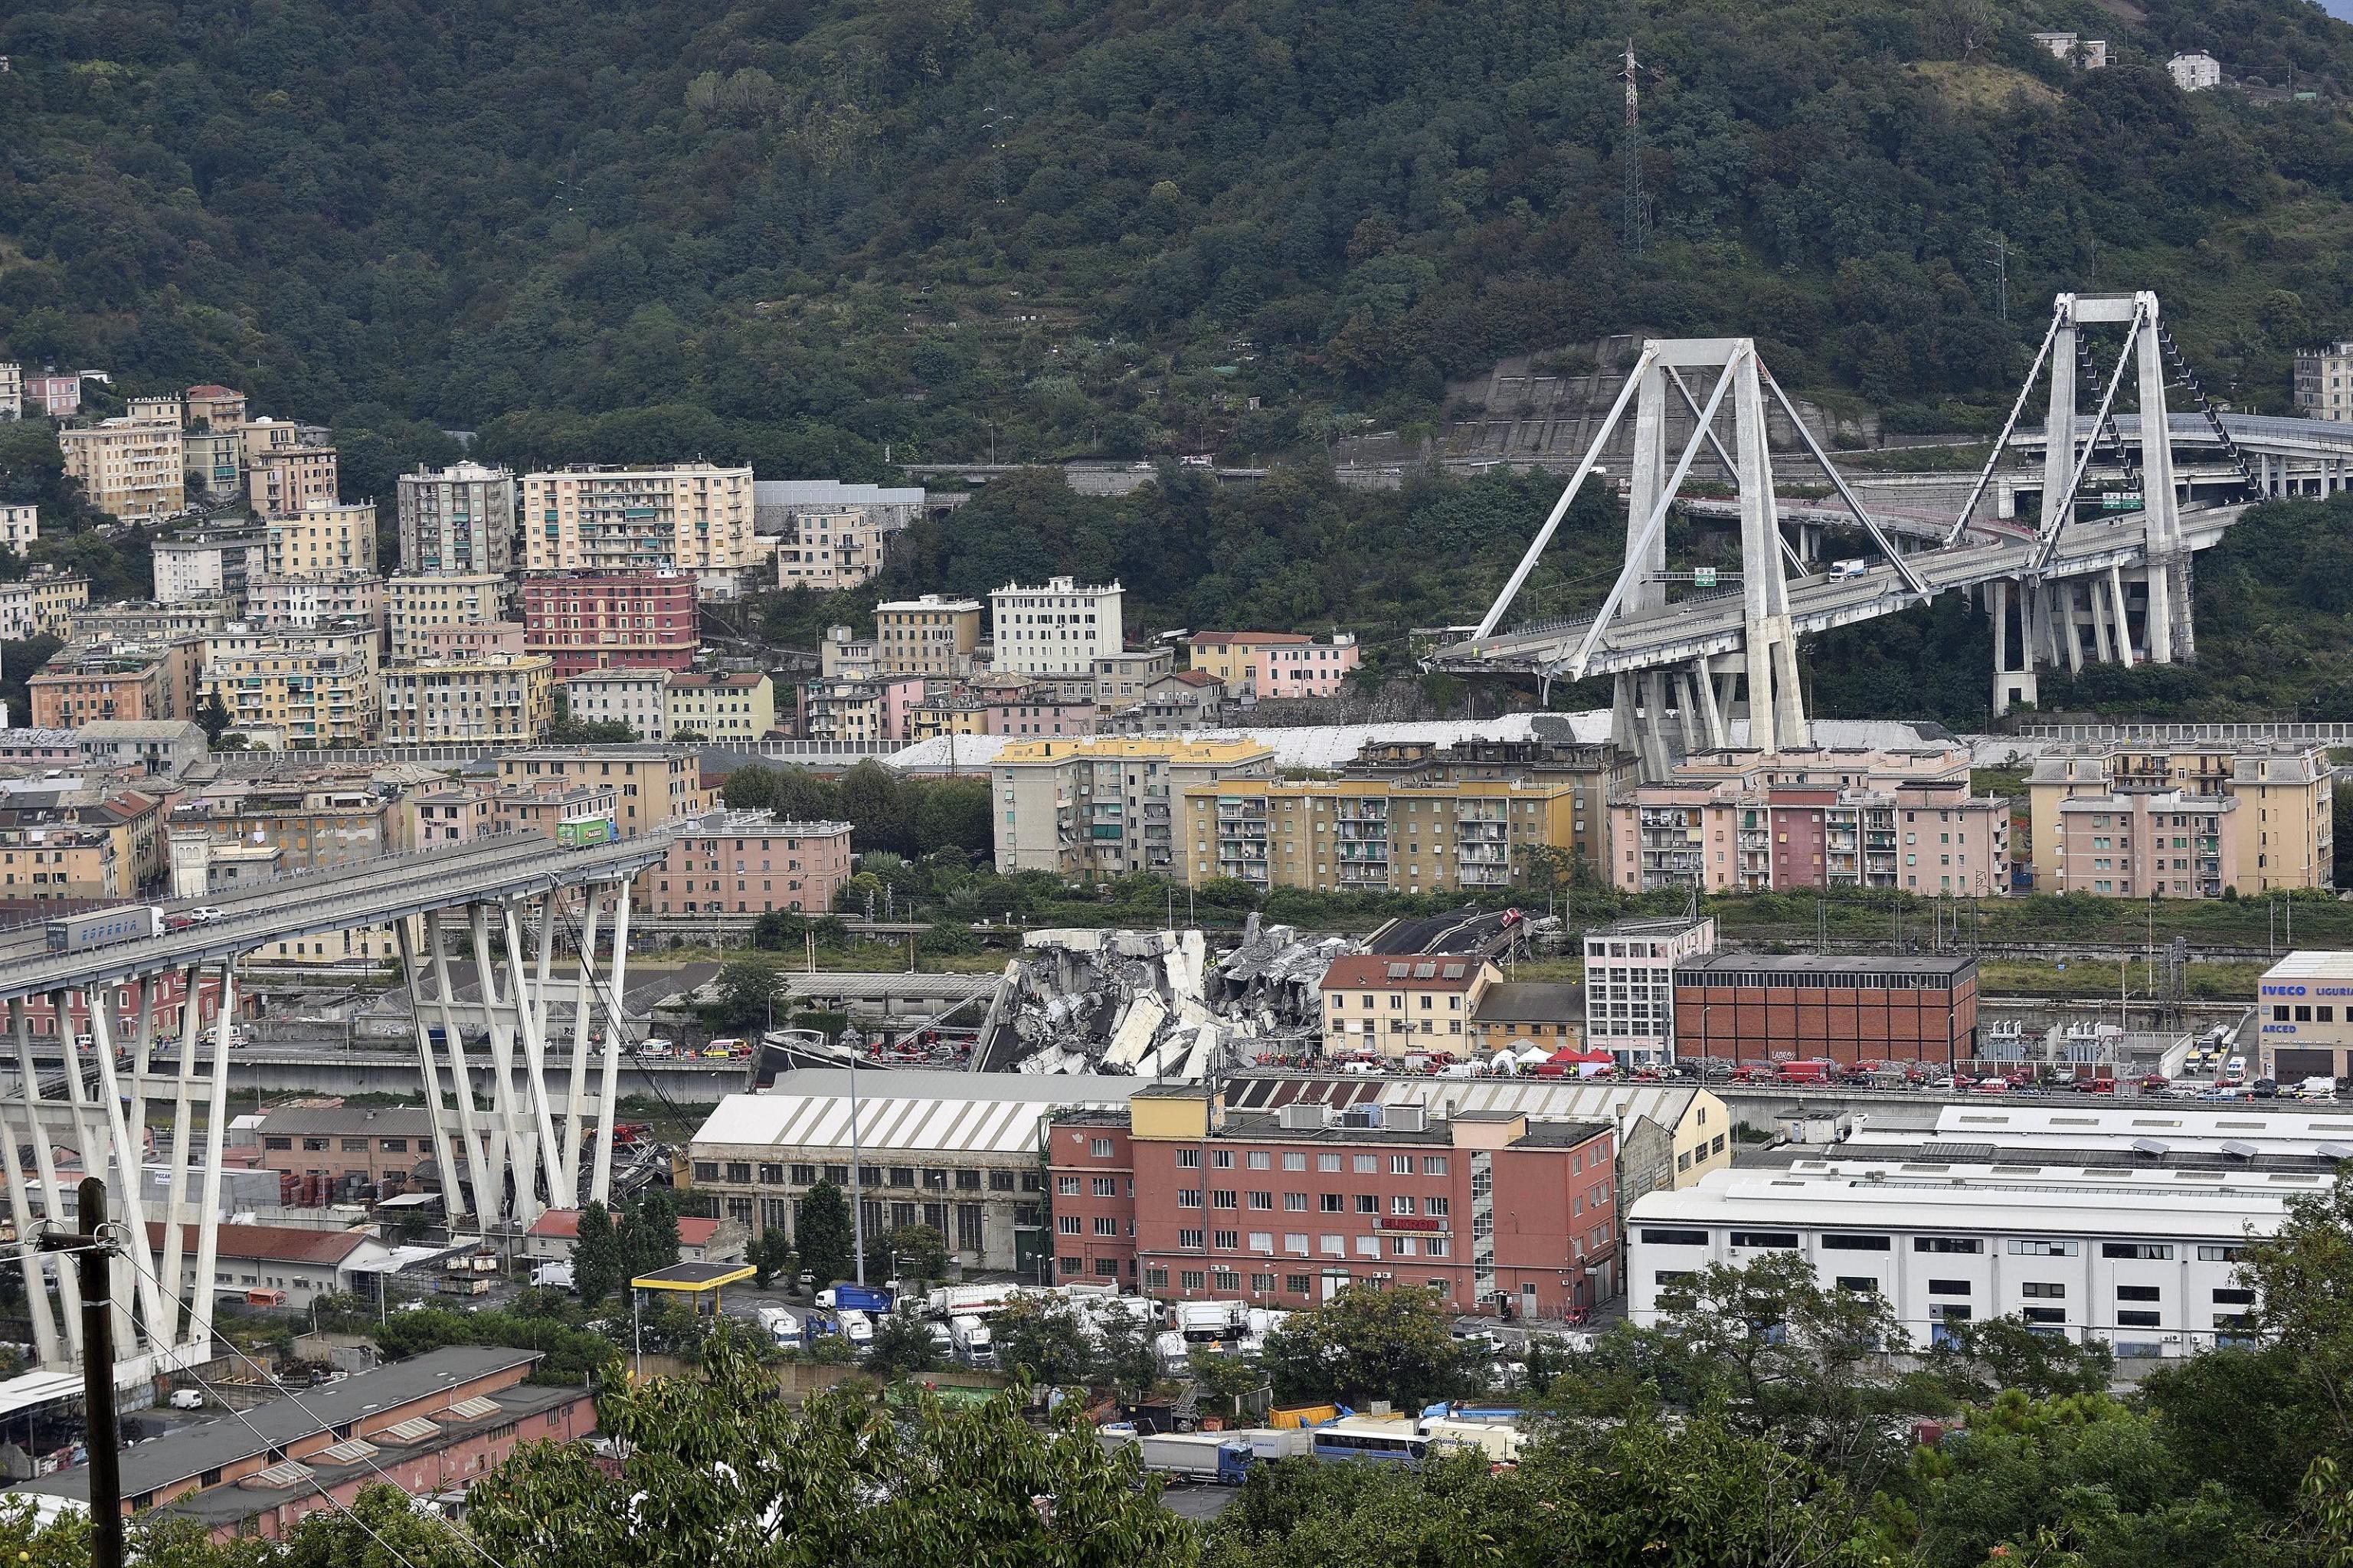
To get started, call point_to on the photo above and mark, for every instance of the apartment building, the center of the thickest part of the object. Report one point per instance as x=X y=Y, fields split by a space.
x=462 y=811
x=830 y=535
x=43 y=604
x=1060 y=629
x=83 y=684
x=143 y=620
x=750 y=862
x=1752 y=822
x=159 y=747
x=320 y=535
x=691 y=518
x=592 y=621
x=1398 y=1006
x=309 y=823
x=415 y=602
x=633 y=697
x=2324 y=382
x=468 y=638
x=208 y=564
x=12 y=390
x=19 y=527
x=737 y=705
x=2146 y=843
x=131 y=468
x=1188 y=699
x=657 y=783
x=459 y=520
x=1629 y=985
x=1275 y=664
x=216 y=462
x=1100 y=807
x=313 y=600
x=1348 y=835
x=44 y=861
x=842 y=653
x=506 y=699
x=319 y=686
x=1594 y=773
x=284 y=481
x=930 y=635
x=2284 y=823
x=860 y=711
x=56 y=394
x=1495 y=1211
x=212 y=407
x=1122 y=678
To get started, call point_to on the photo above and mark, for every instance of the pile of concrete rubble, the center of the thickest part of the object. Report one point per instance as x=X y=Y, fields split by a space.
x=1151 y=1003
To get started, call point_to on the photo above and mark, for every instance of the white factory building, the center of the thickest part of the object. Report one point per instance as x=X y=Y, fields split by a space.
x=2123 y=1223
x=957 y=1152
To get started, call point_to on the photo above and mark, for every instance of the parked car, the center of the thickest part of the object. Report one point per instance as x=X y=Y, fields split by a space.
x=2265 y=1088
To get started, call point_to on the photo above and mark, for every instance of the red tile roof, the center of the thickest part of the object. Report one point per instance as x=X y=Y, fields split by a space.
x=272 y=1243
x=561 y=1224
x=1256 y=636
x=1446 y=971
x=1197 y=678
x=212 y=389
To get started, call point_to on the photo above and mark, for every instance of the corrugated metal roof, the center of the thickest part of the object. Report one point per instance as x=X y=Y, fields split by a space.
x=971 y=1114
x=1541 y=1099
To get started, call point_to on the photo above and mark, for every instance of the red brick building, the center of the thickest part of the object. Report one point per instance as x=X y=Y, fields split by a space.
x=1092 y=1175
x=594 y=621
x=1496 y=1211
x=750 y=862
x=1744 y=1007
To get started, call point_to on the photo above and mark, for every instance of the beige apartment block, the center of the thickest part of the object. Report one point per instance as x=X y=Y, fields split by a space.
x=458 y=520
x=213 y=406
x=2285 y=825
x=413 y=604
x=499 y=698
x=620 y=695
x=12 y=390
x=1100 y=809
x=19 y=527
x=319 y=686
x=267 y=435
x=2146 y=843
x=928 y=636
x=657 y=783
x=134 y=467
x=324 y=598
x=1371 y=836
x=325 y=538
x=693 y=517
x=732 y=706
x=42 y=605
x=289 y=482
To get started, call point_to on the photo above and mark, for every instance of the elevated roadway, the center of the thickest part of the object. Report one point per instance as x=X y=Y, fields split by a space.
x=371 y=892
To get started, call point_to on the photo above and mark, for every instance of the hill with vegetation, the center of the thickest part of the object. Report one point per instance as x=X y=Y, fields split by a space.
x=810 y=234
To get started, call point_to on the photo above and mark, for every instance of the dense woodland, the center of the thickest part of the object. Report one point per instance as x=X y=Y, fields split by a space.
x=826 y=238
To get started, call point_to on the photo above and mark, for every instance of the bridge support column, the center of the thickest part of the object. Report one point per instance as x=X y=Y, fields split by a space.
x=2122 y=618
x=2102 y=645
x=1702 y=681
x=1635 y=727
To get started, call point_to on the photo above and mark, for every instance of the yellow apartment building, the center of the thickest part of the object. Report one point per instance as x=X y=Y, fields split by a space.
x=657 y=783
x=737 y=705
x=1102 y=808
x=319 y=686
x=501 y=698
x=285 y=481
x=134 y=467
x=691 y=517
x=321 y=537
x=928 y=636
x=1373 y=835
x=2284 y=824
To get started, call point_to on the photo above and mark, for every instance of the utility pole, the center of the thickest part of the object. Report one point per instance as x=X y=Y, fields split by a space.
x=1999 y=246
x=94 y=1261
x=1632 y=241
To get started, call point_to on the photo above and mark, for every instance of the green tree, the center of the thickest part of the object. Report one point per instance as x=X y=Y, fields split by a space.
x=823 y=1231
x=1127 y=1360
x=598 y=1267
x=745 y=991
x=213 y=717
x=1365 y=1344
x=771 y=1255
x=1229 y=1380
x=919 y=1252
x=647 y=1237
x=2007 y=1352
x=902 y=1344
x=1043 y=1340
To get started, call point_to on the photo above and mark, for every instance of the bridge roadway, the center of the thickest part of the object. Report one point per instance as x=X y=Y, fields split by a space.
x=369 y=892
x=1705 y=625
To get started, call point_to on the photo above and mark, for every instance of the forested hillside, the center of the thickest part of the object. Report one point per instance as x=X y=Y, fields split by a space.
x=798 y=231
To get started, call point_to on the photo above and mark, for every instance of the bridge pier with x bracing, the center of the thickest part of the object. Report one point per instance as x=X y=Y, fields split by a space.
x=509 y=903
x=2114 y=584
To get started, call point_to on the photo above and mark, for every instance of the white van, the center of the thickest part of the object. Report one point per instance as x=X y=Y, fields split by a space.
x=2317 y=1089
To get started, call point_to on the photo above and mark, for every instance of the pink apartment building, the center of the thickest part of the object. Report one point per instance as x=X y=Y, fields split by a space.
x=1275 y=664
x=2142 y=845
x=467 y=637
x=749 y=863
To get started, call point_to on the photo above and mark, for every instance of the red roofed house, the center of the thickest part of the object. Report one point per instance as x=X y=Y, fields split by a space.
x=552 y=1234
x=1396 y=1006
x=303 y=1262
x=1275 y=664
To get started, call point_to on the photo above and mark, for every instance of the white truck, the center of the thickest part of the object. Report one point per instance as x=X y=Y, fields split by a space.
x=1224 y=1457
x=857 y=1328
x=782 y=1325
x=1206 y=1322
x=970 y=1338
x=951 y=1301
